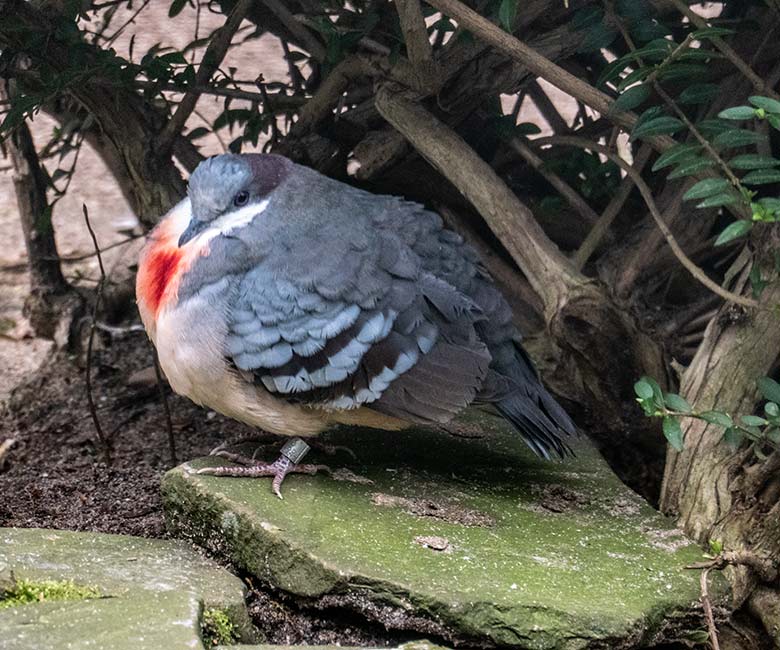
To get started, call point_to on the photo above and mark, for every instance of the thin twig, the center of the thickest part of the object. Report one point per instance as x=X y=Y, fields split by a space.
x=566 y=190
x=307 y=40
x=104 y=440
x=546 y=107
x=212 y=57
x=296 y=77
x=647 y=195
x=707 y=606
x=116 y=34
x=119 y=331
x=281 y=102
x=602 y=225
x=166 y=408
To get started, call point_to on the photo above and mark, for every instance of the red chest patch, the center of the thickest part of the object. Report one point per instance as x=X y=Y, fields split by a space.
x=161 y=269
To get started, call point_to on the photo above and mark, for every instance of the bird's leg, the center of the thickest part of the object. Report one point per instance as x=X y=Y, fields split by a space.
x=288 y=462
x=261 y=438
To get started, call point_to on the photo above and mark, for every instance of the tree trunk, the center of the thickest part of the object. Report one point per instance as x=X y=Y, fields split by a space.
x=45 y=305
x=718 y=493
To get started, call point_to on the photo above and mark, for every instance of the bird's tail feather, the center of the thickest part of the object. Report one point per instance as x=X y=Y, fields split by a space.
x=541 y=431
x=534 y=412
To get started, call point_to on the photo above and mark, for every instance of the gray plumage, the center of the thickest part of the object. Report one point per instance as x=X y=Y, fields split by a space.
x=338 y=299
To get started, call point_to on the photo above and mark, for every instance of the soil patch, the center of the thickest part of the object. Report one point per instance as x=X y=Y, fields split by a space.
x=54 y=475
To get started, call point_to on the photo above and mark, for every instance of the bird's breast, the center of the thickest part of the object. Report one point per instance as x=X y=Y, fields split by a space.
x=163 y=264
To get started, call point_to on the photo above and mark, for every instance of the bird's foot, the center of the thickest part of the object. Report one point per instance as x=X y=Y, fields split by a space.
x=332 y=450
x=287 y=463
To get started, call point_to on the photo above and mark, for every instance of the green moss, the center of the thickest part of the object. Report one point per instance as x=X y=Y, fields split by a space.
x=23 y=592
x=217 y=628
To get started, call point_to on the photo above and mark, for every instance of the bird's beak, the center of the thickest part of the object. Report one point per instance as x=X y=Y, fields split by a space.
x=194 y=228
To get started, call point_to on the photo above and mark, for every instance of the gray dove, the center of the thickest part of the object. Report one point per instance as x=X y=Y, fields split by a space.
x=295 y=303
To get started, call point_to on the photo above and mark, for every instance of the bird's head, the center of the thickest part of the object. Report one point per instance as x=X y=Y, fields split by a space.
x=227 y=192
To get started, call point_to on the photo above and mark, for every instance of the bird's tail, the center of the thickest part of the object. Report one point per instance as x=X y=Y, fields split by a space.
x=541 y=421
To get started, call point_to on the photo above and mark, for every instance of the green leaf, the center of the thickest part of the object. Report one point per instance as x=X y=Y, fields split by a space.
x=649 y=114
x=769 y=388
x=630 y=99
x=767 y=103
x=738 y=113
x=632 y=77
x=664 y=125
x=699 y=93
x=770 y=204
x=673 y=432
x=772 y=409
x=176 y=7
x=611 y=71
x=757 y=283
x=643 y=390
x=753 y=421
x=691 y=167
x=718 y=200
x=656 y=50
x=716 y=417
x=736 y=138
x=677 y=71
x=761 y=177
x=676 y=154
x=711 y=32
x=658 y=394
x=753 y=161
x=734 y=231
x=677 y=403
x=733 y=437
x=198 y=132
x=706 y=187
x=596 y=38
x=714 y=126
x=507 y=13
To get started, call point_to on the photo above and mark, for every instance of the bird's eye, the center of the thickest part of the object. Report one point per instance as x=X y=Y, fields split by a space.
x=241 y=199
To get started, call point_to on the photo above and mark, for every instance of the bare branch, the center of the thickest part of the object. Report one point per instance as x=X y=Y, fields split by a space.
x=535 y=62
x=166 y=407
x=706 y=604
x=566 y=190
x=545 y=106
x=105 y=440
x=418 y=47
x=297 y=29
x=647 y=195
x=601 y=227
x=212 y=57
x=547 y=269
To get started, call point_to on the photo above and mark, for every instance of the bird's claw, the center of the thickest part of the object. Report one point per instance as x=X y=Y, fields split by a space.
x=250 y=468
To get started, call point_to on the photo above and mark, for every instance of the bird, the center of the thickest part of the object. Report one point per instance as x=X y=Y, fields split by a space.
x=295 y=303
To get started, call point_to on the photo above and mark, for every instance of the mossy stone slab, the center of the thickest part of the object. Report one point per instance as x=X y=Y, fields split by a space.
x=468 y=532
x=160 y=620
x=136 y=571
x=409 y=645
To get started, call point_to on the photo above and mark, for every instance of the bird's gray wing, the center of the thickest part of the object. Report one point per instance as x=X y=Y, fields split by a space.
x=512 y=384
x=374 y=328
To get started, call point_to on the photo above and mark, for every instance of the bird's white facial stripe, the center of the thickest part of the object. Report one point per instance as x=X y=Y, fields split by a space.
x=230 y=221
